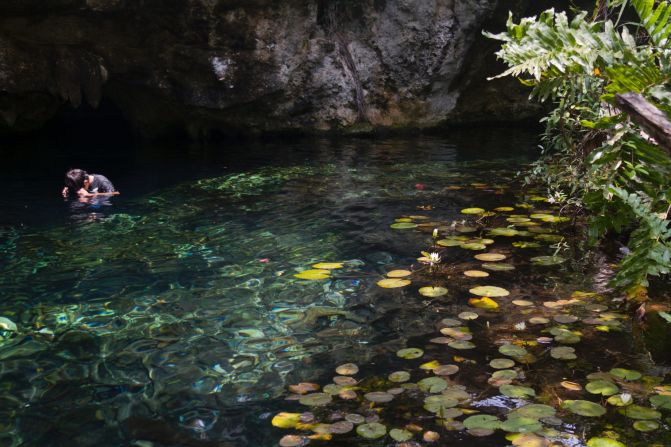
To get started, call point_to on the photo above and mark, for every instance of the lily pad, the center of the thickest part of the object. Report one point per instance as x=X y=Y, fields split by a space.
x=538 y=320
x=341 y=427
x=504 y=209
x=410 y=353
x=661 y=401
x=286 y=420
x=313 y=275
x=403 y=225
x=512 y=350
x=563 y=353
x=640 y=412
x=378 y=397
x=438 y=404
x=374 y=430
x=625 y=374
x=521 y=425
x=602 y=387
x=498 y=266
x=526 y=244
x=523 y=303
x=489 y=291
x=490 y=257
x=393 y=283
x=446 y=370
x=450 y=322
x=432 y=385
x=571 y=386
x=292 y=441
x=468 y=315
x=484 y=303
x=476 y=274
x=507 y=232
x=645 y=426
x=548 y=260
x=517 y=391
x=433 y=291
x=502 y=363
x=461 y=345
x=620 y=400
x=472 y=211
x=473 y=246
x=8 y=325
x=399 y=376
x=505 y=374
x=584 y=408
x=347 y=369
x=535 y=411
x=449 y=242
x=565 y=319
x=328 y=265
x=482 y=421
x=399 y=273
x=604 y=442
x=315 y=399
x=400 y=435
x=303 y=388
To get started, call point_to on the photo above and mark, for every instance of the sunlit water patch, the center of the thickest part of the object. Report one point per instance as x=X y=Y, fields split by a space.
x=395 y=291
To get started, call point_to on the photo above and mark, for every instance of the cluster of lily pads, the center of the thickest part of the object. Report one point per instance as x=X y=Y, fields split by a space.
x=558 y=325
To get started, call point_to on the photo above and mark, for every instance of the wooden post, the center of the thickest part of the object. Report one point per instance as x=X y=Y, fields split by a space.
x=652 y=120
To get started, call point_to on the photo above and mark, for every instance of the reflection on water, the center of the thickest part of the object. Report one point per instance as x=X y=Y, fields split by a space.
x=173 y=317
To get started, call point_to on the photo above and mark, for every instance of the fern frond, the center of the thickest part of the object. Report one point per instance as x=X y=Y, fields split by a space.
x=655 y=20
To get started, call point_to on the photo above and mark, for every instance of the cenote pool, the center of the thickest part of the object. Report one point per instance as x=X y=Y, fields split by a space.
x=313 y=293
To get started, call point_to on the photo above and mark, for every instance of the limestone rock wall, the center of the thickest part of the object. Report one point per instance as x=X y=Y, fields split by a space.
x=204 y=66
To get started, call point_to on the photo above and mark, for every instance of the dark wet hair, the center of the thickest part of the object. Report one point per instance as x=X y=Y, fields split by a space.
x=74 y=179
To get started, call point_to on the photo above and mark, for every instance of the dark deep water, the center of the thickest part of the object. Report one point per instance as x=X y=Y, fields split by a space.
x=170 y=316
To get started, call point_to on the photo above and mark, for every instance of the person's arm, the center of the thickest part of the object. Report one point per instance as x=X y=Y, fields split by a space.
x=65 y=191
x=84 y=193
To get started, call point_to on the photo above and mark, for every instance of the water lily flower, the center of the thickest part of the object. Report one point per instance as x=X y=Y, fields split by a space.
x=434 y=258
x=435 y=233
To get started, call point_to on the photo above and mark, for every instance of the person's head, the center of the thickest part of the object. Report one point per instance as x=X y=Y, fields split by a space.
x=76 y=179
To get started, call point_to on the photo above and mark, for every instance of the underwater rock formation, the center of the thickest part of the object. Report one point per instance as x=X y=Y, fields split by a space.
x=228 y=66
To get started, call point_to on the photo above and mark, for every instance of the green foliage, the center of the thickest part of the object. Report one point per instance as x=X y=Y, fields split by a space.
x=594 y=157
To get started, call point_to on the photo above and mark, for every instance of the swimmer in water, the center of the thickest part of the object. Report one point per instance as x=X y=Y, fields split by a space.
x=87 y=185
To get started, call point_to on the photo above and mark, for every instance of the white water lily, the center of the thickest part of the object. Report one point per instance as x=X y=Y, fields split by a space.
x=625 y=398
x=520 y=326
x=435 y=233
x=434 y=258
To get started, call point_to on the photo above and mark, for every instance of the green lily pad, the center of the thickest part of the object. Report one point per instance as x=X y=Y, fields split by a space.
x=505 y=374
x=498 y=266
x=517 y=391
x=563 y=353
x=548 y=260
x=490 y=257
x=379 y=397
x=433 y=291
x=449 y=242
x=410 y=353
x=450 y=322
x=639 y=412
x=502 y=363
x=507 y=232
x=486 y=421
x=490 y=291
x=472 y=211
x=565 y=336
x=403 y=225
x=661 y=401
x=525 y=244
x=553 y=238
x=373 y=430
x=521 y=425
x=315 y=399
x=473 y=246
x=625 y=374
x=584 y=408
x=438 y=404
x=400 y=435
x=399 y=376
x=432 y=385
x=517 y=219
x=620 y=400
x=393 y=283
x=468 y=315
x=604 y=442
x=512 y=350
x=446 y=370
x=461 y=345
x=535 y=411
x=646 y=426
x=603 y=387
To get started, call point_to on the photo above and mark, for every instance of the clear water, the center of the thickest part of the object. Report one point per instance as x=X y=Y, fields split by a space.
x=170 y=316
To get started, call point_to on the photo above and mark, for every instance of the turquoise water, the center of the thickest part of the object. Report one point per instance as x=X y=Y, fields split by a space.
x=170 y=315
